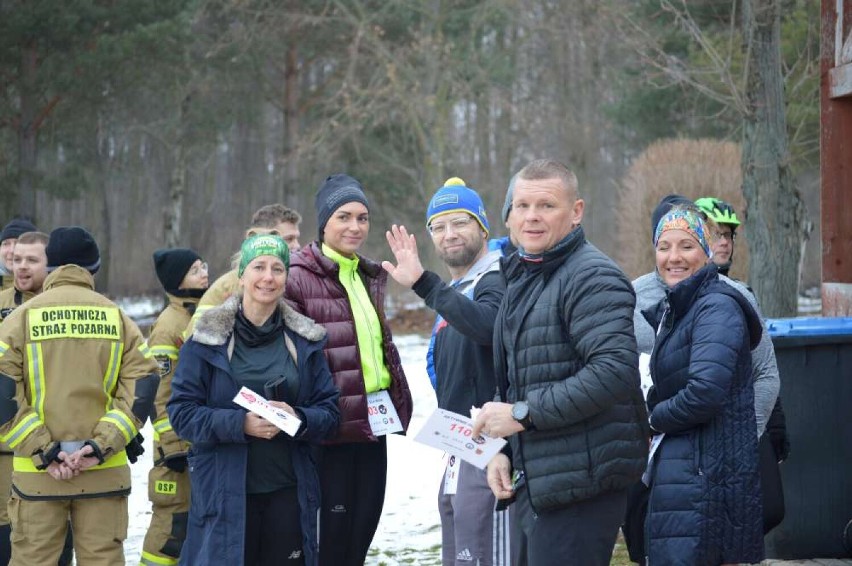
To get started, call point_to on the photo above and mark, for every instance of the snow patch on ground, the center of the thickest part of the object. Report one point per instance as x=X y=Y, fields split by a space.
x=141 y=307
x=409 y=532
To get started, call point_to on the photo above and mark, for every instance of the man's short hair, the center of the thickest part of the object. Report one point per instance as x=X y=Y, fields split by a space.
x=550 y=169
x=272 y=215
x=33 y=238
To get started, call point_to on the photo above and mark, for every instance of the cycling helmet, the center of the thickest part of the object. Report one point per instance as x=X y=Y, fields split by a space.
x=718 y=210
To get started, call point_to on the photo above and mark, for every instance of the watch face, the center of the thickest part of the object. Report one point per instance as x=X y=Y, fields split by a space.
x=520 y=411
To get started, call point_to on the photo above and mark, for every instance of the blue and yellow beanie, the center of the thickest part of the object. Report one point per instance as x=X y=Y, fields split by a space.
x=454 y=196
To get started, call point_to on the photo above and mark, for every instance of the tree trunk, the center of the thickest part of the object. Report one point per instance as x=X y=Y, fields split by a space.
x=504 y=142
x=173 y=222
x=291 y=129
x=483 y=138
x=774 y=220
x=28 y=132
x=174 y=206
x=102 y=167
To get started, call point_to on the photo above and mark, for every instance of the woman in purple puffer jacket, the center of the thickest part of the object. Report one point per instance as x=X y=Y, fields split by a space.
x=344 y=292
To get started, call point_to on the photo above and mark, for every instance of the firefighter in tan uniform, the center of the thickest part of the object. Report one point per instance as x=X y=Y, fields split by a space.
x=184 y=278
x=270 y=219
x=76 y=383
x=29 y=267
x=8 y=237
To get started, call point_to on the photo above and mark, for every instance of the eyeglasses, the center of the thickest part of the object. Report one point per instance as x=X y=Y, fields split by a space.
x=730 y=236
x=457 y=225
x=198 y=269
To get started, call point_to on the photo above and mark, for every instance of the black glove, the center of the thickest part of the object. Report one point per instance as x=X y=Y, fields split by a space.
x=776 y=428
x=48 y=455
x=96 y=451
x=176 y=463
x=134 y=448
x=780 y=444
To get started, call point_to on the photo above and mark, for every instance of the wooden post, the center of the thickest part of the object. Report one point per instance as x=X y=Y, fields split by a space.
x=836 y=158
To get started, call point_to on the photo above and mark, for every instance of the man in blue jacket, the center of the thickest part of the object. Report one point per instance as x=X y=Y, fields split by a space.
x=460 y=358
x=567 y=374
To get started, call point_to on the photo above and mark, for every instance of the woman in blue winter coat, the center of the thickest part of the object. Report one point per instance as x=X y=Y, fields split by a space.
x=705 y=505
x=255 y=490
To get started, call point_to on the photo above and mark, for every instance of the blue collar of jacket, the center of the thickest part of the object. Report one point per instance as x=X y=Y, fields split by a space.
x=215 y=327
x=705 y=280
x=683 y=294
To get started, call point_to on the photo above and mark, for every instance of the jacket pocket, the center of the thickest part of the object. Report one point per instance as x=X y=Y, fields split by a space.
x=590 y=467
x=697 y=453
x=206 y=487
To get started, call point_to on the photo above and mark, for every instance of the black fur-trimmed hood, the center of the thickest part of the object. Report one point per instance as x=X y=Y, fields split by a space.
x=215 y=325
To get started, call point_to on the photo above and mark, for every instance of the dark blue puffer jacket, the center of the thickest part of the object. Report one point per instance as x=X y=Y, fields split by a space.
x=705 y=504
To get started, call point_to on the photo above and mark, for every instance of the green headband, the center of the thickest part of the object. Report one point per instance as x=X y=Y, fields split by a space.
x=265 y=244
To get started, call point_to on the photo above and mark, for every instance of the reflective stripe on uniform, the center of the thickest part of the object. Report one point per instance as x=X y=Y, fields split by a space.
x=22 y=430
x=24 y=464
x=4 y=347
x=122 y=421
x=149 y=559
x=164 y=350
x=162 y=426
x=143 y=347
x=111 y=376
x=36 y=377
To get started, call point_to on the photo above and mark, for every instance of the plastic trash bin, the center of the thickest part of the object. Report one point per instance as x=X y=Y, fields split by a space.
x=815 y=362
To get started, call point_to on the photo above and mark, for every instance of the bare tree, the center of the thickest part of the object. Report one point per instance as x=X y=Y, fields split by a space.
x=775 y=218
x=742 y=71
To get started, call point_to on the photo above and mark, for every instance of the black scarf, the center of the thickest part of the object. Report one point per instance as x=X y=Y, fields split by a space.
x=187 y=293
x=532 y=271
x=253 y=336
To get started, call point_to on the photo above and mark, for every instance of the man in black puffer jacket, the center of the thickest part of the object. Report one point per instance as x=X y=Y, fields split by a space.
x=568 y=381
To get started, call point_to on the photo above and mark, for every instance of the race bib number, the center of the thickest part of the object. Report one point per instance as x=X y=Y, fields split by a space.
x=382 y=414
x=645 y=373
x=652 y=449
x=453 y=433
x=451 y=476
x=248 y=399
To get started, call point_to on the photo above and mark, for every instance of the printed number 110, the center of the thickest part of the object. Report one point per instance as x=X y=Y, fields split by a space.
x=461 y=429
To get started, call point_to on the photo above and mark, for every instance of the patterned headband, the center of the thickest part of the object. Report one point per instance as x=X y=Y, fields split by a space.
x=686 y=220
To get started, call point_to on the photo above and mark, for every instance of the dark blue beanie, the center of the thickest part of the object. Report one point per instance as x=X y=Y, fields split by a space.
x=15 y=228
x=336 y=191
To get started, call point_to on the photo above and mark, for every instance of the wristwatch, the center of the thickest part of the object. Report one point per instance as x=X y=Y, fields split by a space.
x=521 y=413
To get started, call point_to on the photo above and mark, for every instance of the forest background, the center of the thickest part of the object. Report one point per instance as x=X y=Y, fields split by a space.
x=168 y=122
